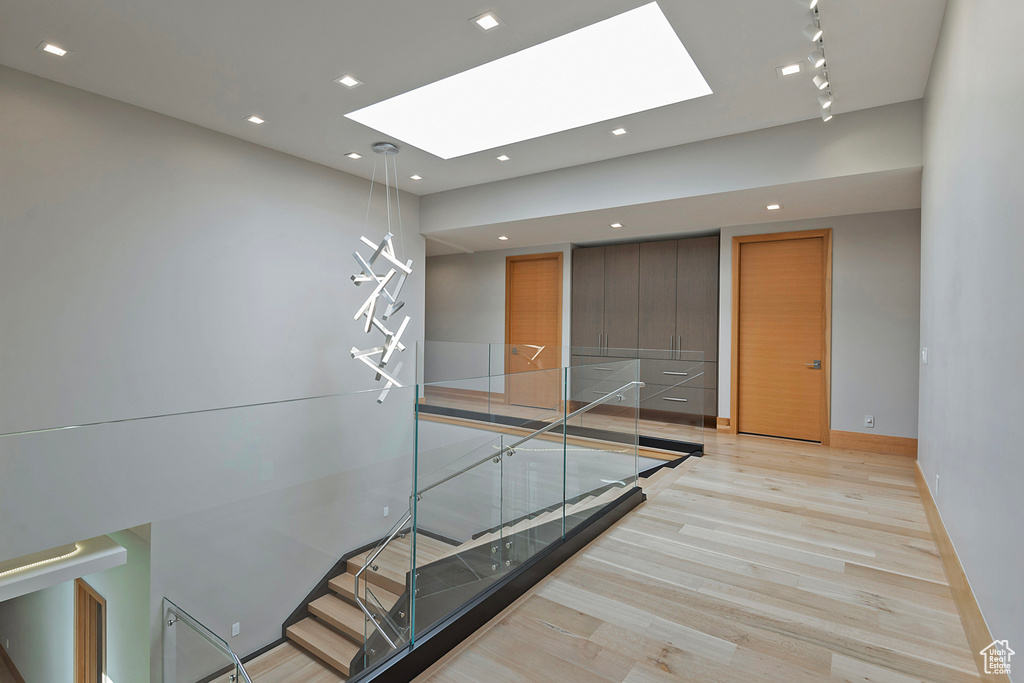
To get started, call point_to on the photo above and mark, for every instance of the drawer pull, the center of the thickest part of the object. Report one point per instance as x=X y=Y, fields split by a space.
x=677 y=374
x=605 y=369
x=677 y=400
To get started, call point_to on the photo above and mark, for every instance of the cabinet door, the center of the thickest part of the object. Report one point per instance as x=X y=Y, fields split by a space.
x=697 y=296
x=621 y=296
x=588 y=298
x=657 y=327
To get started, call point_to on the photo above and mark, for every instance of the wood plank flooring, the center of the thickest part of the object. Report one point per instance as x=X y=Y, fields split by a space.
x=766 y=560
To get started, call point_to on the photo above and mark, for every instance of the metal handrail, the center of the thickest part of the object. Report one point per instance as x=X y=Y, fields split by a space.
x=604 y=399
x=207 y=634
x=507 y=449
x=395 y=530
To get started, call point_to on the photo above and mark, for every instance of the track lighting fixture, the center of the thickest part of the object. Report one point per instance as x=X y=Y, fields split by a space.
x=825 y=100
x=826 y=114
x=817 y=58
x=812 y=32
x=821 y=81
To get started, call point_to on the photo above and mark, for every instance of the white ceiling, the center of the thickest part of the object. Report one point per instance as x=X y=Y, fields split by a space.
x=213 y=63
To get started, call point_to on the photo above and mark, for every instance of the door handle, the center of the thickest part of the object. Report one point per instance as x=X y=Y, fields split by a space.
x=515 y=351
x=815 y=365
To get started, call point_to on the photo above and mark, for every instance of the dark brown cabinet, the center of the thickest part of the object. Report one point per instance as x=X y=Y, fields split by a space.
x=605 y=282
x=661 y=296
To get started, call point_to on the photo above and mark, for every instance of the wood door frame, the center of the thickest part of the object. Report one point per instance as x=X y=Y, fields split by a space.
x=509 y=260
x=82 y=587
x=826 y=362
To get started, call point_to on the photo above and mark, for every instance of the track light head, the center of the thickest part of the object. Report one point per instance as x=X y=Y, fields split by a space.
x=807 y=4
x=825 y=100
x=826 y=114
x=817 y=59
x=820 y=81
x=813 y=32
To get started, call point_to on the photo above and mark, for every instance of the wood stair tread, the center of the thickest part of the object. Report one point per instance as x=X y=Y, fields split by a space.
x=343 y=616
x=344 y=585
x=324 y=643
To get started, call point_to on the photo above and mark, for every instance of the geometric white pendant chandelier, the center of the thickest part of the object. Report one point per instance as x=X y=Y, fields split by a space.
x=384 y=274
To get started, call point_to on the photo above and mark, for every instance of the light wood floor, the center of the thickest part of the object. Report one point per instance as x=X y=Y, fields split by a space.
x=766 y=560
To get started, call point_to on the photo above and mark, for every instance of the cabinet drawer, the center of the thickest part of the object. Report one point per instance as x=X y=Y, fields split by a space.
x=676 y=372
x=595 y=368
x=673 y=399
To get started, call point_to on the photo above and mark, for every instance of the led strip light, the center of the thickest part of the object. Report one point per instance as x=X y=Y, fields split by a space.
x=74 y=552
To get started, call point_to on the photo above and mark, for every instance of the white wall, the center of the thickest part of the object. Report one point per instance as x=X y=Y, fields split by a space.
x=972 y=396
x=149 y=266
x=465 y=302
x=875 y=318
x=39 y=626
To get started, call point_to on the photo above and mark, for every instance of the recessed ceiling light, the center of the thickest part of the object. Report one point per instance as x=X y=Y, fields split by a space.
x=503 y=157
x=502 y=238
x=619 y=131
x=789 y=70
x=348 y=81
x=416 y=177
x=255 y=119
x=52 y=49
x=773 y=207
x=354 y=155
x=486 y=21
x=616 y=225
x=629 y=63
x=812 y=32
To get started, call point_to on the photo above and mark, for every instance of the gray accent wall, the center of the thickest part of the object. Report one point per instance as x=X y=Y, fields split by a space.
x=875 y=318
x=972 y=297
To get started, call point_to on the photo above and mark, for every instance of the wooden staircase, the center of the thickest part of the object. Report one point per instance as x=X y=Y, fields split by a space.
x=325 y=642
x=334 y=631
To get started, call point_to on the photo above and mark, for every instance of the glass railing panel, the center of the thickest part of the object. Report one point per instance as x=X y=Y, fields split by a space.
x=533 y=477
x=383 y=582
x=601 y=442
x=458 y=531
x=192 y=653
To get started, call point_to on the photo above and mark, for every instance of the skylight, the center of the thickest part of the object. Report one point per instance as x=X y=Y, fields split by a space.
x=627 y=64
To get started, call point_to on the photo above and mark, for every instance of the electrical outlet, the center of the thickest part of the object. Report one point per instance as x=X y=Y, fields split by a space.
x=936 y=485
x=386 y=511
x=235 y=629
x=869 y=421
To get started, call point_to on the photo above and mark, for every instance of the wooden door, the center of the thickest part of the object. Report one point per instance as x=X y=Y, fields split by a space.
x=696 y=314
x=90 y=634
x=533 y=330
x=588 y=299
x=621 y=297
x=781 y=321
x=657 y=328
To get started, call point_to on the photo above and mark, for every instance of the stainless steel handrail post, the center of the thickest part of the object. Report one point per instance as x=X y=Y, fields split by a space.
x=207 y=635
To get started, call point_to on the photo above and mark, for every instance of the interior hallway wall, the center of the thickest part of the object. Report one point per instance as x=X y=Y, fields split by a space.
x=972 y=395
x=875 y=318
